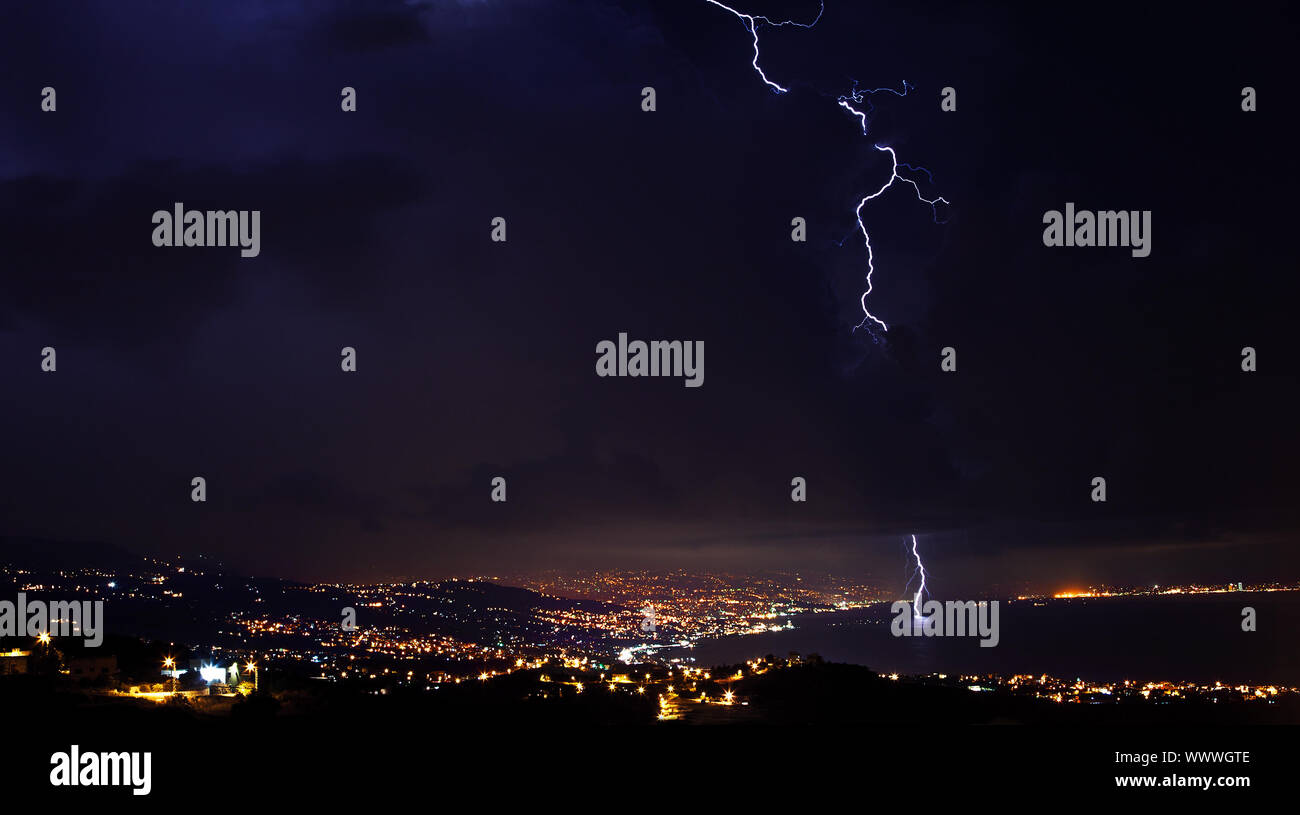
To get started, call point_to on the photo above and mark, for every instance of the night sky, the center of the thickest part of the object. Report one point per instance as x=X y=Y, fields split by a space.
x=477 y=359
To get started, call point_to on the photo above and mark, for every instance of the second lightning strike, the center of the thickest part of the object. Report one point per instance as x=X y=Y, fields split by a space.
x=920 y=590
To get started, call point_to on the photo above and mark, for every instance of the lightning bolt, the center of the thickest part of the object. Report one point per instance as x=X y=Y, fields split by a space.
x=855 y=95
x=751 y=24
x=866 y=237
x=920 y=590
x=850 y=102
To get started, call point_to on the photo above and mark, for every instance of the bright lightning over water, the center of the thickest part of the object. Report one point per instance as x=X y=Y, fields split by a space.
x=851 y=102
x=920 y=590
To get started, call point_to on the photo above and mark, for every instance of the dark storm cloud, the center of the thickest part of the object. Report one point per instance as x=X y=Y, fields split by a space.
x=80 y=260
x=476 y=359
x=371 y=26
x=545 y=492
x=322 y=496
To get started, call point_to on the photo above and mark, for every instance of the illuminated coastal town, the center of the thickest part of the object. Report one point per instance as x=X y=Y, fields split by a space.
x=1158 y=590
x=553 y=636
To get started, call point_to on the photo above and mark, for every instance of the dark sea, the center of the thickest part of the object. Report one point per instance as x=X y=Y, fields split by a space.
x=1171 y=637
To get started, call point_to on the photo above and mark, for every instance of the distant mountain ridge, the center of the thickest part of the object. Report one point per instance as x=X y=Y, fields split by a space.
x=43 y=553
x=200 y=603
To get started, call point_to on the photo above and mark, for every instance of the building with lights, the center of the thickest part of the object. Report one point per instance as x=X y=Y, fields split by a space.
x=13 y=662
